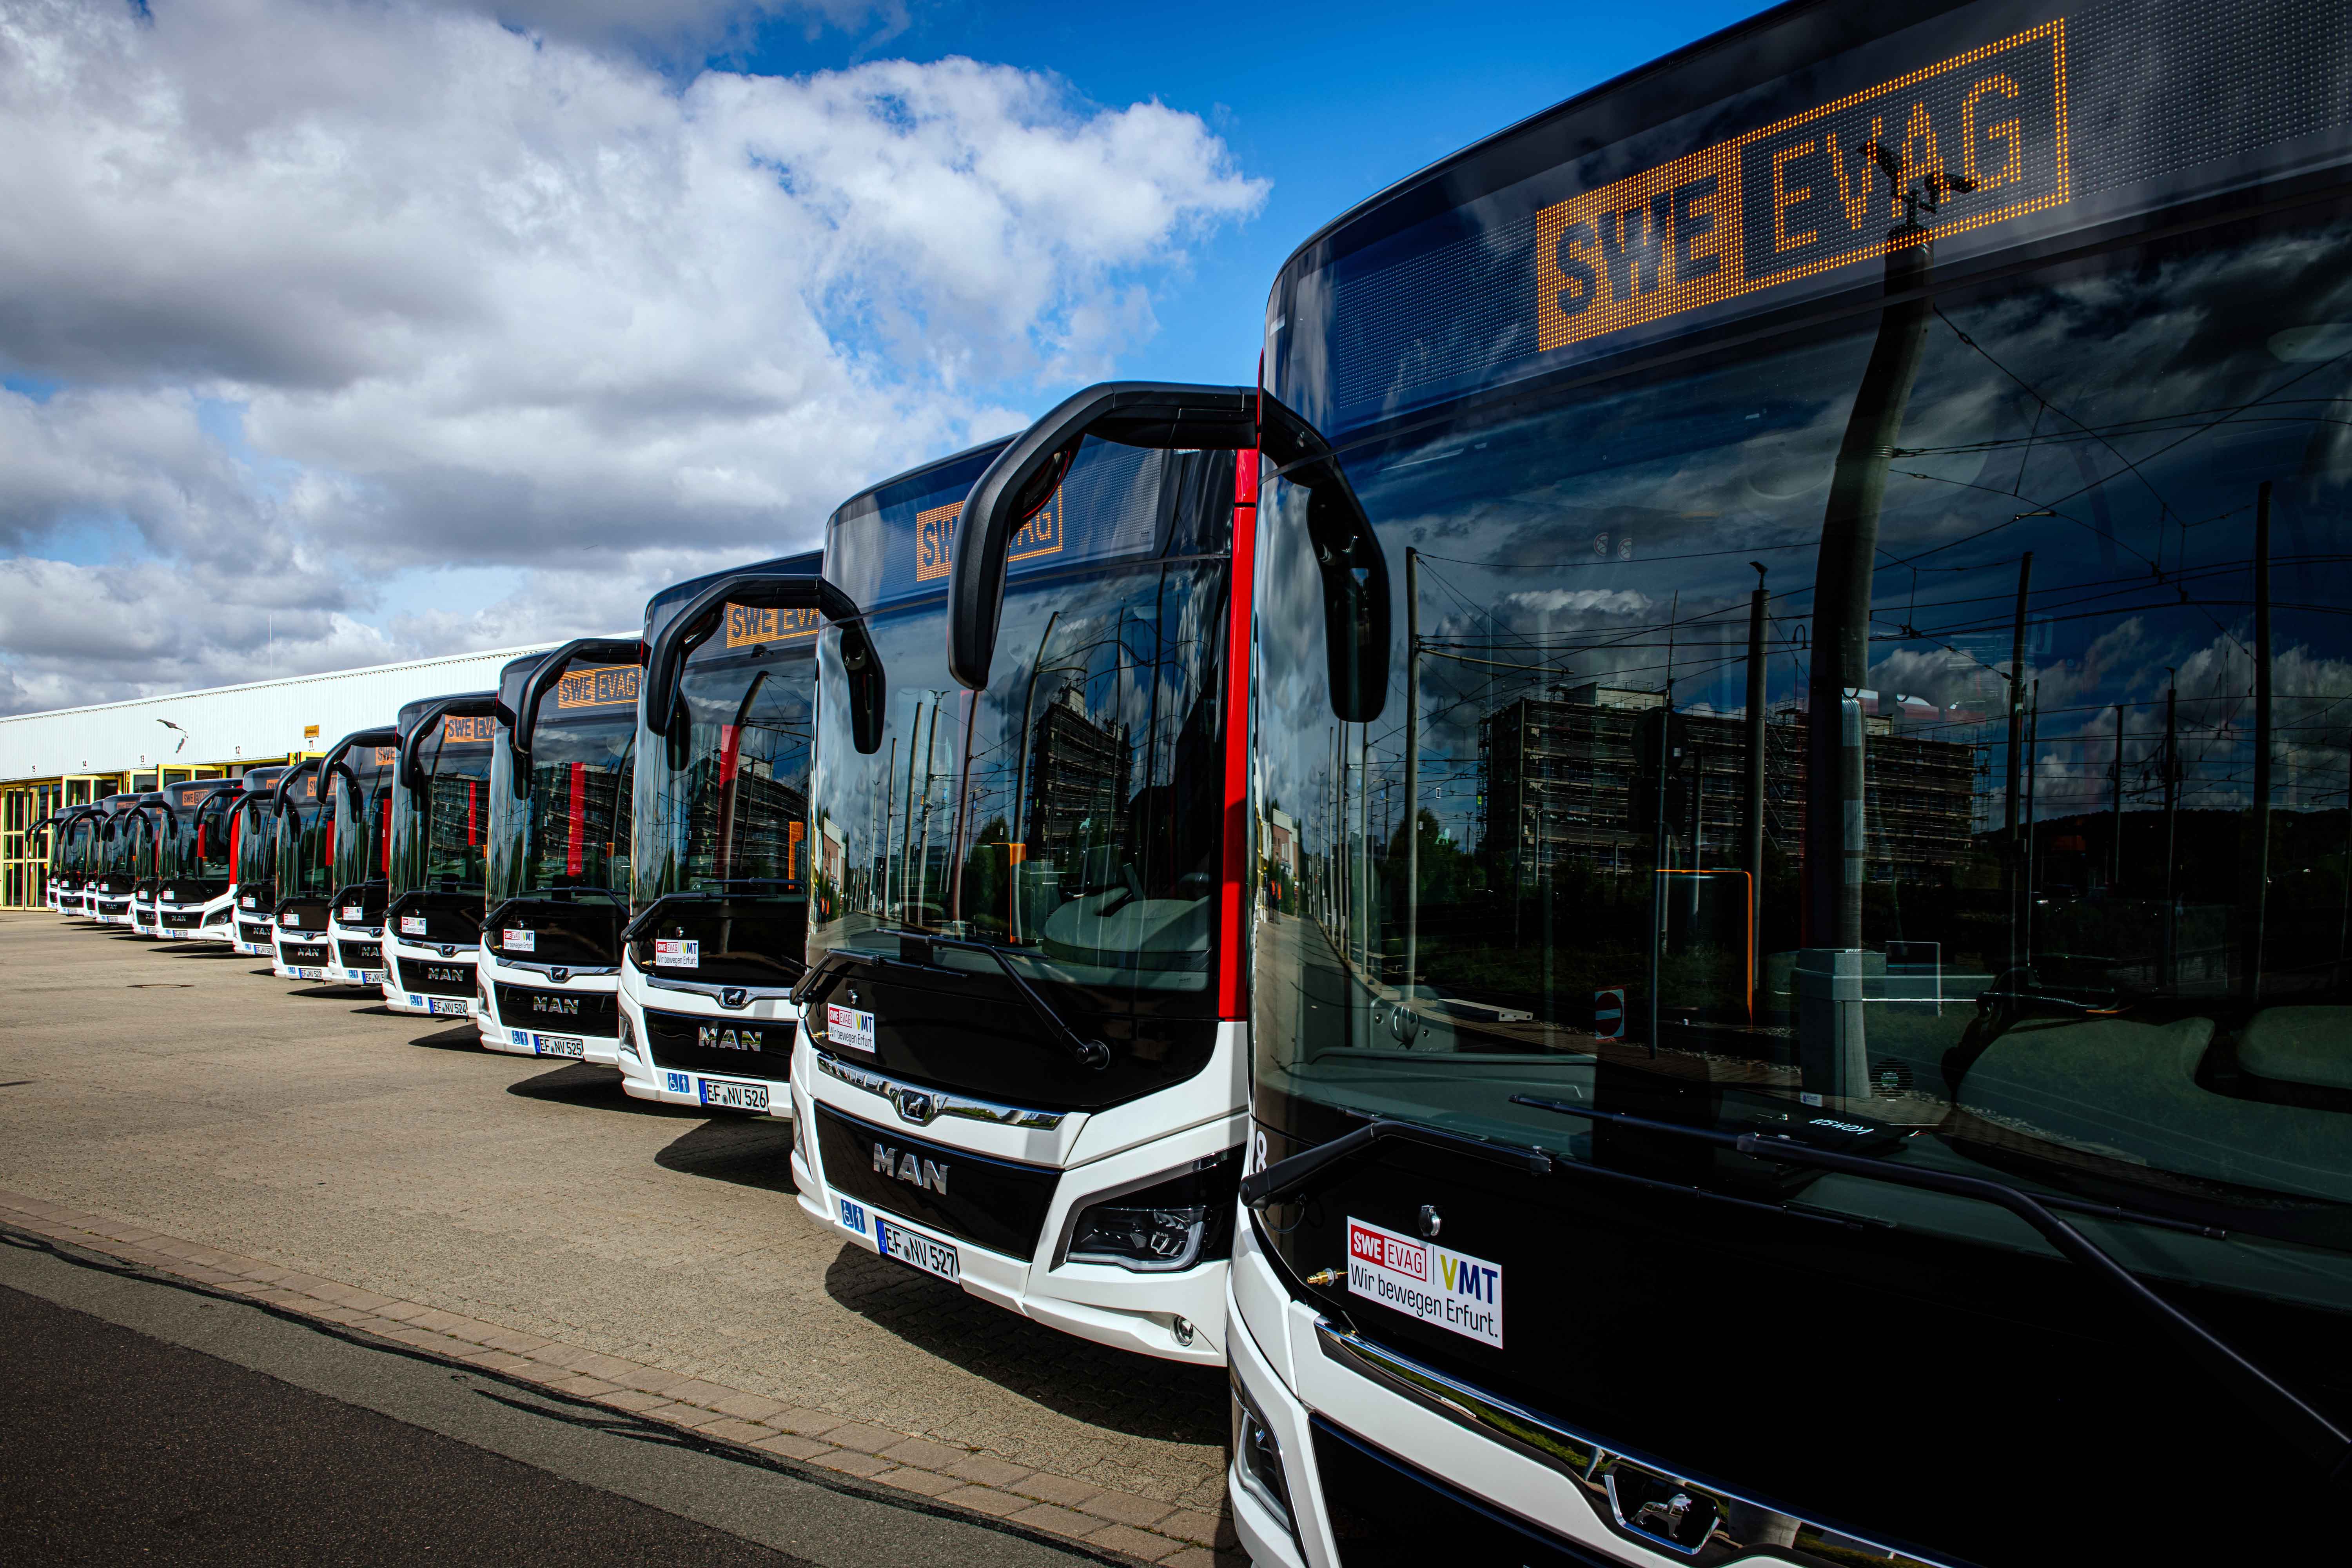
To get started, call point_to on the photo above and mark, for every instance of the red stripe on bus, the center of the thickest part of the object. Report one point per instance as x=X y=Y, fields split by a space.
x=578 y=818
x=1232 y=885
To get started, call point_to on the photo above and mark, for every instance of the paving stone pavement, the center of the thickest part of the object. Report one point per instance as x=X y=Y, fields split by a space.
x=305 y=1146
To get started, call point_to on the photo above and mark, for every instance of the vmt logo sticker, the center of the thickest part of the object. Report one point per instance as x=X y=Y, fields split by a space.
x=1458 y=1293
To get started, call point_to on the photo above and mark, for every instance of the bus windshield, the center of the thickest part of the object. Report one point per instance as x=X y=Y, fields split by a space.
x=440 y=835
x=570 y=831
x=196 y=829
x=300 y=866
x=1069 y=816
x=363 y=814
x=254 y=845
x=1920 y=720
x=559 y=853
x=722 y=801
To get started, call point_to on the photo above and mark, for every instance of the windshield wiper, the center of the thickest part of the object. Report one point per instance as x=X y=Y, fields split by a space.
x=1287 y=1175
x=1085 y=1053
x=2311 y=1432
x=1093 y=1053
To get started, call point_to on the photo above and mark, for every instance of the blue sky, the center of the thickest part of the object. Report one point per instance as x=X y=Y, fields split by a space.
x=337 y=331
x=1331 y=102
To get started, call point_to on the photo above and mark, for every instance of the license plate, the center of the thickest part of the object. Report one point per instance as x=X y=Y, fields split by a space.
x=920 y=1250
x=557 y=1045
x=370 y=976
x=727 y=1095
x=303 y=971
x=171 y=935
x=848 y=1028
x=450 y=1005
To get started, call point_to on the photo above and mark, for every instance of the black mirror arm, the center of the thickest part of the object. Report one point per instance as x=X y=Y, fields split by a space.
x=411 y=773
x=695 y=622
x=550 y=670
x=1160 y=415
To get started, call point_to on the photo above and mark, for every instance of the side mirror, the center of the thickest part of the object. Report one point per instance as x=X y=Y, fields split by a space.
x=698 y=617
x=1163 y=415
x=1349 y=558
x=412 y=770
x=332 y=762
x=525 y=724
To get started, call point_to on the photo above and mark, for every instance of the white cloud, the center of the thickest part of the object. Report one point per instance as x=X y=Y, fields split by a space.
x=343 y=290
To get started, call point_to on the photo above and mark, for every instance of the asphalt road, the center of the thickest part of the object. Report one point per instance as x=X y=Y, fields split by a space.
x=176 y=1089
x=142 y=1420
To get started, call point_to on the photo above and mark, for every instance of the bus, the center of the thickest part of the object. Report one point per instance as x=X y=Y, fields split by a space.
x=1794 y=836
x=440 y=821
x=357 y=772
x=254 y=891
x=106 y=889
x=558 y=869
x=195 y=901
x=153 y=858
x=1026 y=1060
x=718 y=848
x=69 y=835
x=301 y=868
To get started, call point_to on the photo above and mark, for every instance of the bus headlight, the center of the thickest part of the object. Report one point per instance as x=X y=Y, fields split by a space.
x=1258 y=1457
x=1166 y=1227
x=629 y=1032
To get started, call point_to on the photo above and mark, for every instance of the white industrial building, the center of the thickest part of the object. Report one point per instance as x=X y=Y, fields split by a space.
x=70 y=755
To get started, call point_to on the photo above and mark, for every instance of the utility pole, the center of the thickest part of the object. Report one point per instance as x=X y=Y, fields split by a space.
x=2258 y=861
x=2013 y=871
x=2115 y=838
x=1752 y=817
x=2171 y=823
x=1412 y=769
x=2032 y=775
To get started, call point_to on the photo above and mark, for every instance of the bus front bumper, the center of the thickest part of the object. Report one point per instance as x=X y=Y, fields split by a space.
x=756 y=1091
x=1177 y=1316
x=403 y=961
x=541 y=1038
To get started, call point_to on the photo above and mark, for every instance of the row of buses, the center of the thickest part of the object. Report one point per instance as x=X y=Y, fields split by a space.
x=1684 y=887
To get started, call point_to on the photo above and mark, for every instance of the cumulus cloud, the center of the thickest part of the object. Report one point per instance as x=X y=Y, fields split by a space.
x=309 y=294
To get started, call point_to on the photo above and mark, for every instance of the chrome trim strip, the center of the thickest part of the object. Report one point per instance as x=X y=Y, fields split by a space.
x=1740 y=1525
x=577 y=970
x=711 y=989
x=942 y=1103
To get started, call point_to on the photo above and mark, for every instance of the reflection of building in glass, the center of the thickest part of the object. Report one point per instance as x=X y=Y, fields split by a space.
x=765 y=827
x=1572 y=779
x=1078 y=772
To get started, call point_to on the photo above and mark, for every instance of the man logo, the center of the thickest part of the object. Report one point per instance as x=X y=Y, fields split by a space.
x=734 y=997
x=557 y=1006
x=915 y=1172
x=712 y=1037
x=916 y=1106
